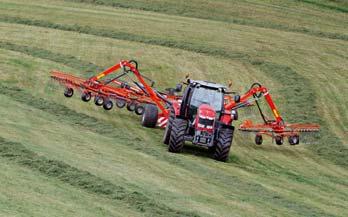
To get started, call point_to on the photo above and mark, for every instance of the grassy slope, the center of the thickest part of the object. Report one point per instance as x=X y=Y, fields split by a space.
x=257 y=180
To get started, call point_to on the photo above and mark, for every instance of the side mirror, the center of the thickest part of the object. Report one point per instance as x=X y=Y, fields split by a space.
x=178 y=88
x=237 y=98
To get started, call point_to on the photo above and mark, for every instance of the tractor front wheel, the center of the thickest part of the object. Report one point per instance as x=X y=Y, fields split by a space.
x=177 y=135
x=223 y=144
x=150 y=116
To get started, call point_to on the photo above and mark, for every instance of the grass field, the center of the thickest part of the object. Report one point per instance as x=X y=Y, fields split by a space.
x=63 y=157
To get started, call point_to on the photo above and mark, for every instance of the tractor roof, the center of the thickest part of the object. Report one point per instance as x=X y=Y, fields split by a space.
x=209 y=84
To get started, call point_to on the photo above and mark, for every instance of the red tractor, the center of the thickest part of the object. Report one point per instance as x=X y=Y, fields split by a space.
x=201 y=119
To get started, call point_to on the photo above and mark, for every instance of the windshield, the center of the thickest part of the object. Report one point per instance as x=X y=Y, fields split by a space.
x=201 y=95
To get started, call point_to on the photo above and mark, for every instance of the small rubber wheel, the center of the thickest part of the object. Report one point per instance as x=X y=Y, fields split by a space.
x=279 y=140
x=120 y=103
x=294 y=140
x=150 y=116
x=131 y=106
x=68 y=92
x=108 y=104
x=99 y=100
x=258 y=140
x=86 y=97
x=139 y=109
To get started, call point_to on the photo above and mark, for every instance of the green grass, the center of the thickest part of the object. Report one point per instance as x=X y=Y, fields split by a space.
x=59 y=154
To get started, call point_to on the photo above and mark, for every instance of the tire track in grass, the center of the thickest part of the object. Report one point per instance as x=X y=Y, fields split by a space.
x=228 y=181
x=19 y=154
x=185 y=12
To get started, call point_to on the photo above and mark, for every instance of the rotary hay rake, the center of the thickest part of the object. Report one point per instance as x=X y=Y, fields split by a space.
x=160 y=108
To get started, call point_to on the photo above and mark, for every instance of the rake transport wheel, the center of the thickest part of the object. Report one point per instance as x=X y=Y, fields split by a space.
x=120 y=103
x=139 y=109
x=68 y=92
x=86 y=96
x=177 y=135
x=150 y=116
x=168 y=130
x=99 y=100
x=108 y=104
x=131 y=106
x=258 y=140
x=294 y=140
x=279 y=140
x=223 y=144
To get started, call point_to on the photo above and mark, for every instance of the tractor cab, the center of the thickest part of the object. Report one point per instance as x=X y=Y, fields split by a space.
x=199 y=93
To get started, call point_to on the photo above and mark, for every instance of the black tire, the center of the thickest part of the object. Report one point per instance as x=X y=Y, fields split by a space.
x=68 y=92
x=120 y=103
x=150 y=116
x=294 y=140
x=279 y=140
x=86 y=96
x=177 y=135
x=168 y=130
x=131 y=106
x=108 y=104
x=99 y=100
x=223 y=144
x=258 y=140
x=139 y=109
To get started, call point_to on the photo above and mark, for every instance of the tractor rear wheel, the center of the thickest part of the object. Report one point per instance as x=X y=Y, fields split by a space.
x=223 y=144
x=86 y=96
x=108 y=104
x=68 y=92
x=150 y=116
x=168 y=129
x=99 y=100
x=177 y=135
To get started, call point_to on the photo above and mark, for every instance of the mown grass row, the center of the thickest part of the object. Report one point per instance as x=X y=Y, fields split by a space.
x=206 y=13
x=19 y=154
x=228 y=181
x=297 y=90
x=326 y=6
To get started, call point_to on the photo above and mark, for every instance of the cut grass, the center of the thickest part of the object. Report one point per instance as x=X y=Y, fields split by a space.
x=263 y=181
x=297 y=91
x=84 y=180
x=233 y=13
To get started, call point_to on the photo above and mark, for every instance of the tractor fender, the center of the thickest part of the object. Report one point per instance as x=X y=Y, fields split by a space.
x=221 y=125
